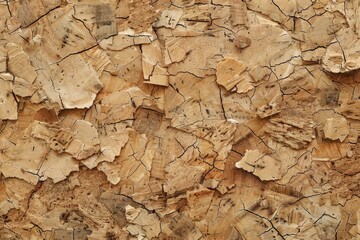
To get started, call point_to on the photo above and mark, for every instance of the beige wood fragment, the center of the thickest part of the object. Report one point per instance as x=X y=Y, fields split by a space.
x=30 y=11
x=129 y=164
x=8 y=104
x=61 y=35
x=229 y=72
x=182 y=3
x=112 y=140
x=98 y=17
x=57 y=167
x=85 y=141
x=188 y=28
x=23 y=88
x=238 y=12
x=261 y=165
x=19 y=63
x=194 y=96
x=199 y=202
x=341 y=55
x=142 y=224
x=278 y=11
x=81 y=141
x=153 y=71
x=336 y=128
x=198 y=13
x=60 y=86
x=181 y=177
x=169 y=18
x=295 y=132
x=120 y=106
x=60 y=140
x=45 y=131
x=13 y=23
x=98 y=59
x=271 y=46
x=175 y=50
x=350 y=109
x=7 y=201
x=18 y=164
x=142 y=15
x=267 y=100
x=259 y=73
x=318 y=33
x=179 y=225
x=244 y=85
x=125 y=64
x=206 y=55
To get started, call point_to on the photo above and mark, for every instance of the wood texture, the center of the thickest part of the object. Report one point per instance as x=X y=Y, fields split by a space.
x=179 y=119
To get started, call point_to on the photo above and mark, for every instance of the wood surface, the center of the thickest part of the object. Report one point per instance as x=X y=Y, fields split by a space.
x=179 y=119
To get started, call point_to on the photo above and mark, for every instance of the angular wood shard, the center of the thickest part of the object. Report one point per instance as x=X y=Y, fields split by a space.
x=175 y=51
x=112 y=140
x=57 y=167
x=229 y=73
x=263 y=166
x=336 y=128
x=267 y=100
x=85 y=141
x=72 y=83
x=19 y=63
x=142 y=224
x=342 y=55
x=98 y=17
x=60 y=35
x=350 y=109
x=291 y=131
x=278 y=11
x=8 y=104
x=153 y=71
x=23 y=88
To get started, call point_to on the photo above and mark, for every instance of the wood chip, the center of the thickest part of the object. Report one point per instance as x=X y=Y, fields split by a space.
x=228 y=72
x=154 y=72
x=19 y=63
x=336 y=128
x=263 y=166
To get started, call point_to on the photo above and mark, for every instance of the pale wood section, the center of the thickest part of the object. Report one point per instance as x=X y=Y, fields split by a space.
x=229 y=73
x=98 y=17
x=152 y=64
x=336 y=128
x=8 y=103
x=18 y=63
